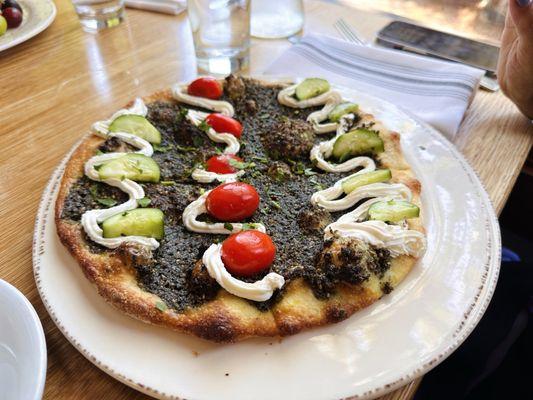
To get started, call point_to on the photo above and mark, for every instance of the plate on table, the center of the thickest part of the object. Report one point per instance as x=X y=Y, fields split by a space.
x=22 y=347
x=380 y=348
x=37 y=16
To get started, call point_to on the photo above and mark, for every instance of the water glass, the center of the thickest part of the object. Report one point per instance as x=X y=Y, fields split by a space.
x=274 y=19
x=99 y=14
x=221 y=34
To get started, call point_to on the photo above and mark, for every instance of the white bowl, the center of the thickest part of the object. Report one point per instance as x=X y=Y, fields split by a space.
x=22 y=347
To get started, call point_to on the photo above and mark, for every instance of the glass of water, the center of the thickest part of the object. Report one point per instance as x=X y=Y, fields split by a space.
x=99 y=14
x=221 y=33
x=274 y=19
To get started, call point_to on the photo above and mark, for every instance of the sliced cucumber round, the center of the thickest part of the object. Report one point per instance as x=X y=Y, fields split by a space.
x=136 y=125
x=393 y=210
x=357 y=143
x=380 y=175
x=342 y=109
x=147 y=222
x=136 y=167
x=311 y=87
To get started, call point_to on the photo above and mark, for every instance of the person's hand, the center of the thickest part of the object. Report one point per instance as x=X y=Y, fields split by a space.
x=515 y=66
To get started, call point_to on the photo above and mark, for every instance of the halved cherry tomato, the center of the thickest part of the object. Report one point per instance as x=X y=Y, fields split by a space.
x=207 y=87
x=248 y=252
x=224 y=124
x=232 y=202
x=221 y=164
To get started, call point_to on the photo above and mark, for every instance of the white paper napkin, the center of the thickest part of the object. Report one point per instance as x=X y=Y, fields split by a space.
x=438 y=92
x=173 y=7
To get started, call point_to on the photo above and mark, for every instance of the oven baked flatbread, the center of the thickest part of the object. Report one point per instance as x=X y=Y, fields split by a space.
x=226 y=318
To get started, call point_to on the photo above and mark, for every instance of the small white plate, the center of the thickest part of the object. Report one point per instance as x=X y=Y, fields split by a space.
x=378 y=349
x=22 y=347
x=37 y=16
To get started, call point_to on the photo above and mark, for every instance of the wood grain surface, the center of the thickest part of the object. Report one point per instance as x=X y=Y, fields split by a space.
x=55 y=85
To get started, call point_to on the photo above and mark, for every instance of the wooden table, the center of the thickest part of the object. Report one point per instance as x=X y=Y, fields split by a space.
x=55 y=85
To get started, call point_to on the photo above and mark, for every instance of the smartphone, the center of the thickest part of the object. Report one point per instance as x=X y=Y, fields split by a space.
x=409 y=37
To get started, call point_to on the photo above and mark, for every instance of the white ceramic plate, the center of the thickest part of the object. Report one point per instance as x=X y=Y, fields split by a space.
x=37 y=16
x=22 y=347
x=378 y=349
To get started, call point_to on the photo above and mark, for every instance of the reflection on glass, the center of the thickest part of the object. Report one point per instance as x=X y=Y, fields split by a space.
x=99 y=14
x=273 y=19
x=221 y=34
x=97 y=69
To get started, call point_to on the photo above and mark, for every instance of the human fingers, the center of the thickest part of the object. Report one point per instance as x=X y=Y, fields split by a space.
x=521 y=12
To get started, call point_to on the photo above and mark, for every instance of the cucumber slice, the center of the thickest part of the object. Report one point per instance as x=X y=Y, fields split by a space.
x=311 y=87
x=380 y=175
x=393 y=210
x=136 y=125
x=146 y=222
x=357 y=143
x=342 y=109
x=136 y=167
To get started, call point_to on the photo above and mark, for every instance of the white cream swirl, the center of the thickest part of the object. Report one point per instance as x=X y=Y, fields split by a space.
x=91 y=219
x=180 y=93
x=398 y=239
x=323 y=150
x=322 y=197
x=330 y=99
x=203 y=176
x=328 y=202
x=316 y=118
x=198 y=207
x=232 y=147
x=286 y=97
x=361 y=212
x=258 y=291
x=138 y=108
x=232 y=143
x=394 y=238
x=145 y=148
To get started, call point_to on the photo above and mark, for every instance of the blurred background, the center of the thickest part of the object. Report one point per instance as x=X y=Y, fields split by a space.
x=479 y=19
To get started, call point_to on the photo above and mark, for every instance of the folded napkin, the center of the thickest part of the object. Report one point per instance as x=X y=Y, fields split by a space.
x=438 y=92
x=173 y=7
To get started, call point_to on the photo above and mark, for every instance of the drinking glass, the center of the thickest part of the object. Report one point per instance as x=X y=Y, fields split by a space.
x=274 y=19
x=221 y=34
x=99 y=14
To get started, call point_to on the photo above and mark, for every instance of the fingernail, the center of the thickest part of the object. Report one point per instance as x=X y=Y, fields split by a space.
x=523 y=3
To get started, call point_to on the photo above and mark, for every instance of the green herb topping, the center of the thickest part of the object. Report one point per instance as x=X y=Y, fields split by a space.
x=144 y=202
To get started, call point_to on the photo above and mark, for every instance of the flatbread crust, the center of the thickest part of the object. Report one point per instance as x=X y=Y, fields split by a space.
x=228 y=318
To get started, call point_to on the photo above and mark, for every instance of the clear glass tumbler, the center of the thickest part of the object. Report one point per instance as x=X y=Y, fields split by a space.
x=274 y=19
x=221 y=33
x=99 y=14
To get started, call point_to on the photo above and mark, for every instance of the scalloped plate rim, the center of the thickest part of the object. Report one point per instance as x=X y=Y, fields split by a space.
x=40 y=25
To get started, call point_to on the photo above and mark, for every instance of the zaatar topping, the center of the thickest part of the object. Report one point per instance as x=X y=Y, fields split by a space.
x=174 y=273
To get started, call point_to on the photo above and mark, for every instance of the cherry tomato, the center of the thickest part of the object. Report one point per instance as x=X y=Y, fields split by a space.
x=13 y=17
x=207 y=87
x=248 y=252
x=221 y=164
x=232 y=202
x=224 y=124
